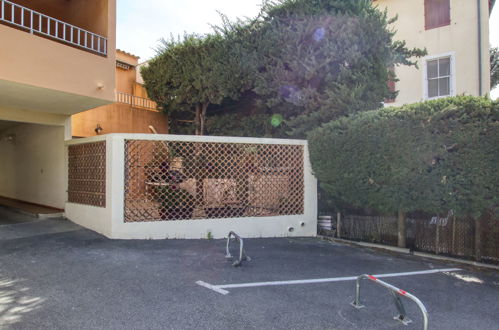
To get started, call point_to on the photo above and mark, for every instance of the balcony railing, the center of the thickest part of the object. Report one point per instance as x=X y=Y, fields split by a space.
x=136 y=101
x=39 y=23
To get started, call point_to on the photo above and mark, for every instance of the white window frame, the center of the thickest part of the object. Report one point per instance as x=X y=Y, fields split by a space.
x=452 y=81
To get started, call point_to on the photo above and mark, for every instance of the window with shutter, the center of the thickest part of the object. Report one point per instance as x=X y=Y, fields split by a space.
x=437 y=13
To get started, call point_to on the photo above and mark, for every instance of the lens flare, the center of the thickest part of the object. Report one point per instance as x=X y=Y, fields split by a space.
x=276 y=120
x=319 y=34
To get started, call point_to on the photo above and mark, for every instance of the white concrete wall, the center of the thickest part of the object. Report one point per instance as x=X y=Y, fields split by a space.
x=109 y=221
x=32 y=167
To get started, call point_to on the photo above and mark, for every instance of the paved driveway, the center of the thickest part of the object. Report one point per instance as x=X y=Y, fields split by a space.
x=56 y=275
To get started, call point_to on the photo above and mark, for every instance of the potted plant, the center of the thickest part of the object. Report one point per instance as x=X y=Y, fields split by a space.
x=175 y=202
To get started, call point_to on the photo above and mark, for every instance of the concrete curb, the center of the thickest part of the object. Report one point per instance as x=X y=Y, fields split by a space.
x=36 y=215
x=50 y=215
x=467 y=262
x=379 y=246
x=407 y=251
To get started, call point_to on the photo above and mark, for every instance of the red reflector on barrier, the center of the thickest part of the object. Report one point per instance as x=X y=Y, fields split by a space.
x=402 y=292
x=372 y=277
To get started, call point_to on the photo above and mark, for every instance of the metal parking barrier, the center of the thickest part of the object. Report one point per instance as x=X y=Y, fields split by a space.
x=396 y=293
x=242 y=253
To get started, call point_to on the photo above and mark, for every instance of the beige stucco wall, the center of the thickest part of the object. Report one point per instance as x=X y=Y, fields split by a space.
x=42 y=82
x=118 y=118
x=121 y=117
x=125 y=79
x=32 y=60
x=460 y=37
x=32 y=168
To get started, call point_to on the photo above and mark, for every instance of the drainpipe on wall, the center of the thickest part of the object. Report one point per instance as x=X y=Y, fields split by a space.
x=479 y=8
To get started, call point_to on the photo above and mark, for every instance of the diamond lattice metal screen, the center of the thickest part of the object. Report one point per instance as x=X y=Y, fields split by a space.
x=87 y=174
x=174 y=180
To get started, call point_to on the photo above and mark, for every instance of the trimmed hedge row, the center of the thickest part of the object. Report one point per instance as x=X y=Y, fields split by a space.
x=432 y=156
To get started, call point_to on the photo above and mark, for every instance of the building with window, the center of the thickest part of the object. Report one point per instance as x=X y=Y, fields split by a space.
x=133 y=111
x=455 y=34
x=57 y=58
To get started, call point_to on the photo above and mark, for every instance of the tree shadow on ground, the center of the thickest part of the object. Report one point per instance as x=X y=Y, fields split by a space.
x=15 y=301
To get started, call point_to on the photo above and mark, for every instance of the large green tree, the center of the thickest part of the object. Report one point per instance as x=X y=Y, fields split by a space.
x=494 y=67
x=318 y=60
x=311 y=61
x=192 y=72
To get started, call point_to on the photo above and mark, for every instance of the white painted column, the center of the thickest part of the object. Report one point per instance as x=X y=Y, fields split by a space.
x=310 y=198
x=115 y=181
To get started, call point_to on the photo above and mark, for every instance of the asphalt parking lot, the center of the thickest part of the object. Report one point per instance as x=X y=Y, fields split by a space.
x=57 y=275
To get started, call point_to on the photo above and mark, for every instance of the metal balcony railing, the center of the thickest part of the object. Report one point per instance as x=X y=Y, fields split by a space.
x=39 y=23
x=136 y=101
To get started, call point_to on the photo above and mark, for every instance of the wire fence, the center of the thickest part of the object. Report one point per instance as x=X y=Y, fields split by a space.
x=453 y=236
x=374 y=229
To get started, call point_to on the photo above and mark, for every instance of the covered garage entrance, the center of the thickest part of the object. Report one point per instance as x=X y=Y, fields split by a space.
x=32 y=171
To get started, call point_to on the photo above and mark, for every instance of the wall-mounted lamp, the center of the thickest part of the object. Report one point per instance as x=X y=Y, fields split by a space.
x=100 y=85
x=98 y=129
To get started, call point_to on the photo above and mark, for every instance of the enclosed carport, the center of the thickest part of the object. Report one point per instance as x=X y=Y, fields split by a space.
x=32 y=168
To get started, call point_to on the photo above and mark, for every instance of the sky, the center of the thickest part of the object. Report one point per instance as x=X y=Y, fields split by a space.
x=141 y=24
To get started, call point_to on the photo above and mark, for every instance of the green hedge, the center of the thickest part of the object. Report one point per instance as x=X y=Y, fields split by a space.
x=431 y=156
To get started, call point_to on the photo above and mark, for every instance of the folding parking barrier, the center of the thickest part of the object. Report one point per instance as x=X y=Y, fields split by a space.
x=242 y=253
x=396 y=293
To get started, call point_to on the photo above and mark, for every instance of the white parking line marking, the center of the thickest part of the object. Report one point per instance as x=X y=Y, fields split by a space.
x=220 y=288
x=212 y=287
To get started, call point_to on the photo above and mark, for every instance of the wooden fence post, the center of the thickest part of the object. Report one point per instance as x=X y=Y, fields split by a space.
x=453 y=247
x=338 y=225
x=478 y=239
x=437 y=238
x=402 y=232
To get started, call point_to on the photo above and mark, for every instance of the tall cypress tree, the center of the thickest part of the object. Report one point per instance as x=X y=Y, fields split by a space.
x=318 y=60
